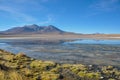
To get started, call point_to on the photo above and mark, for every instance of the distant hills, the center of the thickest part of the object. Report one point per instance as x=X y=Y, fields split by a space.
x=50 y=32
x=33 y=29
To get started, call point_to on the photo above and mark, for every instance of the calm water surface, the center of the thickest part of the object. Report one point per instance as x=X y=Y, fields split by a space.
x=101 y=52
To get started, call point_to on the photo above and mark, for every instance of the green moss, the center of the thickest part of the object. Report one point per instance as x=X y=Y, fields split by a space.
x=25 y=68
x=90 y=76
x=49 y=76
x=42 y=65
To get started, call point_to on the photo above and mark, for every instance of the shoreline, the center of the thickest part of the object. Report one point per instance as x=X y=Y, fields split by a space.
x=52 y=38
x=21 y=67
x=63 y=36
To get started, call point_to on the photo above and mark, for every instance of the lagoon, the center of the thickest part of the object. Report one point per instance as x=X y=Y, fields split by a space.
x=89 y=51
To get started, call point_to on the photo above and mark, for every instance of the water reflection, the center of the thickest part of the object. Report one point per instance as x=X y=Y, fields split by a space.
x=88 y=41
x=68 y=51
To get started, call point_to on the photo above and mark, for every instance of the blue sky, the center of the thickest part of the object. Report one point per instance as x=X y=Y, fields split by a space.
x=82 y=16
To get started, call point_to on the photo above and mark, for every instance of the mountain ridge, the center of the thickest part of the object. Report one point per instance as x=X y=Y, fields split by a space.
x=36 y=29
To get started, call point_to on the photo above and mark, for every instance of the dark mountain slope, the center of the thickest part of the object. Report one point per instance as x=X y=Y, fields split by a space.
x=33 y=29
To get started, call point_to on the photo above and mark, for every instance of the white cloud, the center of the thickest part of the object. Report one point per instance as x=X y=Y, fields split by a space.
x=17 y=10
x=26 y=1
x=17 y=14
x=99 y=7
x=48 y=21
x=44 y=0
x=106 y=5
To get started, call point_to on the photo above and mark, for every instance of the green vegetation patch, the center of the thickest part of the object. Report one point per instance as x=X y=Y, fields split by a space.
x=21 y=67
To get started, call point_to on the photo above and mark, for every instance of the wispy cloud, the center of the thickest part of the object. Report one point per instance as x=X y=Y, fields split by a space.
x=99 y=7
x=47 y=0
x=106 y=5
x=49 y=20
x=17 y=14
x=15 y=10
x=24 y=11
x=30 y=1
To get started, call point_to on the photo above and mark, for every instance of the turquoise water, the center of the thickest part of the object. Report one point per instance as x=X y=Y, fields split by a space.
x=100 y=52
x=88 y=41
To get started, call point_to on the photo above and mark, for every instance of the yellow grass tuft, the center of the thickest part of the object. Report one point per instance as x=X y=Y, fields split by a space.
x=16 y=76
x=2 y=75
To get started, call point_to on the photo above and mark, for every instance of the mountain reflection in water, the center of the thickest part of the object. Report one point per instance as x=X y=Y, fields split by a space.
x=100 y=52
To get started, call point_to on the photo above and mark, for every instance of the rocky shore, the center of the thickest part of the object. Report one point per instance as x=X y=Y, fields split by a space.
x=21 y=67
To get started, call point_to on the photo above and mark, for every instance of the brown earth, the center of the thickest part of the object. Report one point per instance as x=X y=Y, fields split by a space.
x=62 y=36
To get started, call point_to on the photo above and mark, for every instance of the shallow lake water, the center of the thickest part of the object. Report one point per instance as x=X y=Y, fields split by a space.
x=99 y=52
